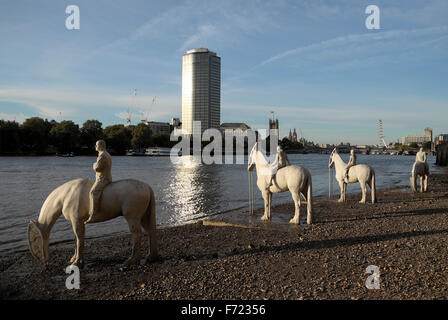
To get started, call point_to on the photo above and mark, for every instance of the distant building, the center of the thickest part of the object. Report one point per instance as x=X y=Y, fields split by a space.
x=273 y=124
x=234 y=128
x=420 y=139
x=175 y=125
x=201 y=89
x=175 y=122
x=441 y=139
x=158 y=127
x=428 y=133
x=292 y=136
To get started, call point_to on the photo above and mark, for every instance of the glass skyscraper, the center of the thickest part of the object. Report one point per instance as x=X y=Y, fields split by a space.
x=201 y=90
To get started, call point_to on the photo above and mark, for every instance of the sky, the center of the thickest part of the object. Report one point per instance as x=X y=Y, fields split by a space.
x=314 y=63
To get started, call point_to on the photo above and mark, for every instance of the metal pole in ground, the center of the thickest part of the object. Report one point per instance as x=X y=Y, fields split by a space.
x=251 y=194
x=330 y=183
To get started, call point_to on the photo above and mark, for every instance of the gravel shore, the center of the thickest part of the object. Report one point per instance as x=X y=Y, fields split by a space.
x=235 y=257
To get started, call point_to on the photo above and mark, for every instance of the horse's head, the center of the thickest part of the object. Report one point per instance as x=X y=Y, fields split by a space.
x=331 y=161
x=251 y=160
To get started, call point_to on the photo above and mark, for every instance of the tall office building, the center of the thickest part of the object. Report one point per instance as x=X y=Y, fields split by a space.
x=428 y=133
x=201 y=90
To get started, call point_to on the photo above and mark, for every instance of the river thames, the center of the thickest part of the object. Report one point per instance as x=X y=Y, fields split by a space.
x=184 y=192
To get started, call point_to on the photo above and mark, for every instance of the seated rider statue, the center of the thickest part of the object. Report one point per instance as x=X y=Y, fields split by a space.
x=282 y=159
x=421 y=156
x=102 y=167
x=350 y=164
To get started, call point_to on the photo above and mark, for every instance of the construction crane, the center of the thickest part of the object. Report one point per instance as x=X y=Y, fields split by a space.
x=146 y=116
x=129 y=111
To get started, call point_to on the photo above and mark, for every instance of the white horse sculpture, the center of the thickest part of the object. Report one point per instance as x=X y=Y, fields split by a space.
x=361 y=173
x=132 y=199
x=419 y=169
x=293 y=178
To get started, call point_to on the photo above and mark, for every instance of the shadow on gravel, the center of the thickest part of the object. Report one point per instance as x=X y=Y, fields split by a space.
x=314 y=244
x=407 y=213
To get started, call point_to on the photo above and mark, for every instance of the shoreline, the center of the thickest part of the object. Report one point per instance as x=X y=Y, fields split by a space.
x=404 y=234
x=232 y=212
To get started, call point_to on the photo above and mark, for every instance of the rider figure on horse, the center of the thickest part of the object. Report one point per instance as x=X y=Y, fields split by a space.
x=282 y=158
x=102 y=167
x=350 y=164
x=421 y=156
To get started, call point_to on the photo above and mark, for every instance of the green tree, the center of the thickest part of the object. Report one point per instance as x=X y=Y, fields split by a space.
x=34 y=134
x=118 y=138
x=91 y=132
x=162 y=140
x=141 y=136
x=9 y=136
x=65 y=136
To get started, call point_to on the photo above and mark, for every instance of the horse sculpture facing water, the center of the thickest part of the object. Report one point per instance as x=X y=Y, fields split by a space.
x=293 y=178
x=132 y=199
x=361 y=173
x=421 y=170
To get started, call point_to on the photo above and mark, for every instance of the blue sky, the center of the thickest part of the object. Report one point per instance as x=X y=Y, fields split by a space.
x=312 y=62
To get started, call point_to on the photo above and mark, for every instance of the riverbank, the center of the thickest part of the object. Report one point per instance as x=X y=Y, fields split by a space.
x=241 y=258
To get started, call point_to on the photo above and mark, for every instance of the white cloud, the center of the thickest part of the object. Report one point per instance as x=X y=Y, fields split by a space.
x=200 y=37
x=356 y=44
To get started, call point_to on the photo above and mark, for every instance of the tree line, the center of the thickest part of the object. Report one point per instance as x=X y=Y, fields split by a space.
x=37 y=136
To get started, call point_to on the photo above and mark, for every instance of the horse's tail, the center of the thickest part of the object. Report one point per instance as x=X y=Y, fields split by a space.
x=309 y=200
x=149 y=224
x=373 y=187
x=413 y=178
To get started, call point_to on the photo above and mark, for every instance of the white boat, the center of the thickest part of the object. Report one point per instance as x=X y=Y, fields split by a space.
x=158 y=151
x=130 y=152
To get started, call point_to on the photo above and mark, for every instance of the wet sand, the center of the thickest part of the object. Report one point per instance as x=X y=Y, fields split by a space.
x=238 y=257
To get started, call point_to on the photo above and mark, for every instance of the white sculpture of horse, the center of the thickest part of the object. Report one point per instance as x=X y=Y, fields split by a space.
x=419 y=169
x=132 y=199
x=293 y=178
x=361 y=173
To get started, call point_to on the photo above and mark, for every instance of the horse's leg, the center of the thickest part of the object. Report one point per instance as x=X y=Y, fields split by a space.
x=296 y=197
x=369 y=183
x=266 y=205
x=364 y=191
x=421 y=184
x=426 y=183
x=79 y=230
x=270 y=205
x=341 y=187
x=344 y=186
x=136 y=230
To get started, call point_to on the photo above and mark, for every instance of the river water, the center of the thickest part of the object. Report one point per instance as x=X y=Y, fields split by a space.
x=184 y=192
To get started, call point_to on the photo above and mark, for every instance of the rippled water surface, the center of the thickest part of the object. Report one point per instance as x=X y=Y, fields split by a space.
x=184 y=192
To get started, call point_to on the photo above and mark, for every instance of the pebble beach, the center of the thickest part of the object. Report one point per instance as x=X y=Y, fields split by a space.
x=235 y=256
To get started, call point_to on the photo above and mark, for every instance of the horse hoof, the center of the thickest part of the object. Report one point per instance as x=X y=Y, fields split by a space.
x=294 y=221
x=362 y=201
x=131 y=261
x=152 y=258
x=264 y=218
